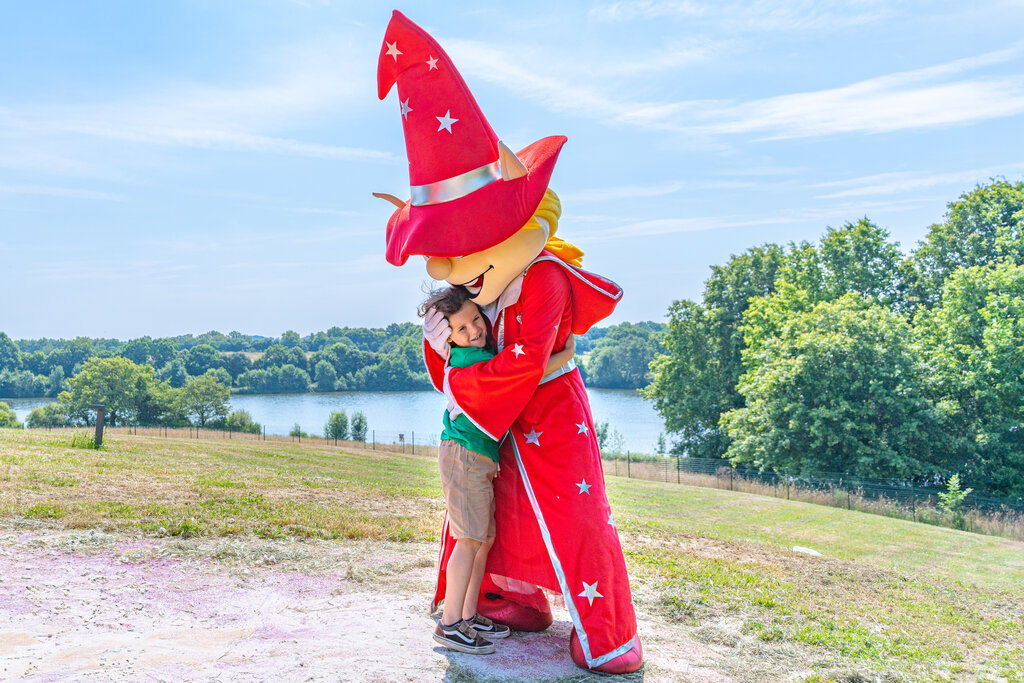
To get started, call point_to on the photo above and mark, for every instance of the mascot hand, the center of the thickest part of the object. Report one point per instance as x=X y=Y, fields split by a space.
x=436 y=331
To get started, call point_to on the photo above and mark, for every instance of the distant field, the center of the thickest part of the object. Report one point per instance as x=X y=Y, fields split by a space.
x=889 y=600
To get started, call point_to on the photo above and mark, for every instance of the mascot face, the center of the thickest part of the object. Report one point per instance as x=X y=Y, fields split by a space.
x=487 y=273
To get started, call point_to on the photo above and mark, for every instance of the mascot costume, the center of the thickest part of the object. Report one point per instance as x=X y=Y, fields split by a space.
x=484 y=219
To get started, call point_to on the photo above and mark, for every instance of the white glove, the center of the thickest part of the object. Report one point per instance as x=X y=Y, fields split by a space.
x=436 y=331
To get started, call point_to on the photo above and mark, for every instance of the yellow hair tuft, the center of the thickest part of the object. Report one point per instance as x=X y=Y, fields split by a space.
x=550 y=209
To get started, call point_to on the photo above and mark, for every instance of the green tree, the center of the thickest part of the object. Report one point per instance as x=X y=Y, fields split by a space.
x=236 y=364
x=982 y=227
x=974 y=344
x=50 y=415
x=162 y=351
x=290 y=339
x=241 y=421
x=621 y=359
x=137 y=350
x=857 y=258
x=55 y=383
x=200 y=358
x=205 y=397
x=8 y=418
x=326 y=376
x=118 y=383
x=839 y=390
x=337 y=426
x=359 y=426
x=695 y=381
x=10 y=354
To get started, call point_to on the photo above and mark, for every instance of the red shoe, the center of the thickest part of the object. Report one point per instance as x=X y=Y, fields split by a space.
x=626 y=663
x=515 y=615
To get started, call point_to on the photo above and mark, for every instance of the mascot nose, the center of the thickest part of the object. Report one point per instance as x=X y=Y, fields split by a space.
x=438 y=267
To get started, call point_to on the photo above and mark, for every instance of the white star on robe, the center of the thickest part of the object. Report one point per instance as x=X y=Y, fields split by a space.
x=590 y=592
x=518 y=350
x=584 y=487
x=406 y=109
x=392 y=49
x=533 y=437
x=432 y=62
x=610 y=520
x=583 y=428
x=446 y=121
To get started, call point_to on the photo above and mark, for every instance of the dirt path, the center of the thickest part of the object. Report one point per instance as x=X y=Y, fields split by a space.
x=92 y=606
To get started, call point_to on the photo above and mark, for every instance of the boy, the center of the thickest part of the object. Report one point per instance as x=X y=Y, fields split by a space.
x=468 y=462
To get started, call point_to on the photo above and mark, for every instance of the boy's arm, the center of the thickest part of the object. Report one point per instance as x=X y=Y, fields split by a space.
x=560 y=358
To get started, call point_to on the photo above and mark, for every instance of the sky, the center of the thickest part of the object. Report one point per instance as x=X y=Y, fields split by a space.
x=184 y=166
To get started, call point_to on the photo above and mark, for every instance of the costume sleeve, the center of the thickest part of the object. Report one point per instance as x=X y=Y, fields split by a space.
x=493 y=394
x=435 y=366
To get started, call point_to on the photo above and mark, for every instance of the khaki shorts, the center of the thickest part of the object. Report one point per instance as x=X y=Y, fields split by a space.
x=467 y=481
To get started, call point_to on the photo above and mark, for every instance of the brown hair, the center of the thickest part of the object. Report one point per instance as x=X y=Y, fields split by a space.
x=448 y=300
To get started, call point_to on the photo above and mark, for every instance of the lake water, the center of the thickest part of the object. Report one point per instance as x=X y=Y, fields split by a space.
x=390 y=413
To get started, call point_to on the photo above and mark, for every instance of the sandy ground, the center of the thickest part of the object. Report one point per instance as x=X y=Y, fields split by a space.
x=84 y=605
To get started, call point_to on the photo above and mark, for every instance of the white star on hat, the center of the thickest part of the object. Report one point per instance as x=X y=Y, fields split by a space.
x=446 y=121
x=583 y=427
x=392 y=49
x=518 y=350
x=533 y=437
x=432 y=62
x=405 y=109
x=590 y=592
x=584 y=487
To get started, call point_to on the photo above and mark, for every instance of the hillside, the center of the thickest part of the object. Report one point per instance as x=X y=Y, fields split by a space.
x=274 y=553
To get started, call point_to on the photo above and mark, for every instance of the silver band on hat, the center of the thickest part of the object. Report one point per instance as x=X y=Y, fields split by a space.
x=455 y=187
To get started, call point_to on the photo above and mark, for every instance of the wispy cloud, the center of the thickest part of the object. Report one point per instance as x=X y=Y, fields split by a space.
x=904 y=182
x=622 y=192
x=309 y=81
x=675 y=225
x=68 y=192
x=142 y=270
x=759 y=16
x=930 y=97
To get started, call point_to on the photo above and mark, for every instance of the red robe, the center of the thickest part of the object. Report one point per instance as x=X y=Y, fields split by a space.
x=554 y=525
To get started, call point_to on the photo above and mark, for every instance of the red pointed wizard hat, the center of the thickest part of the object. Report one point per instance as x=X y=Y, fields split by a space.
x=468 y=190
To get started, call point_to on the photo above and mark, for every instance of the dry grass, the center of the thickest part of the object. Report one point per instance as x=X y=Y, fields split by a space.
x=891 y=600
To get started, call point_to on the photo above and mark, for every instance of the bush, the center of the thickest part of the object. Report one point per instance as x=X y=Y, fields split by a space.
x=237 y=421
x=359 y=427
x=8 y=418
x=51 y=415
x=337 y=425
x=297 y=431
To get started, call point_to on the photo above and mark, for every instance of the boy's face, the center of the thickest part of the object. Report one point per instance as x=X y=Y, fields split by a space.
x=468 y=326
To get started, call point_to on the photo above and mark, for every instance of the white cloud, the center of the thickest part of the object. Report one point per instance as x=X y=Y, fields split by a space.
x=70 y=193
x=916 y=99
x=622 y=192
x=307 y=81
x=903 y=182
x=758 y=16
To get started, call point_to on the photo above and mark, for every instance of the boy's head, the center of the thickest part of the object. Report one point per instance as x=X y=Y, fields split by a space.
x=464 y=316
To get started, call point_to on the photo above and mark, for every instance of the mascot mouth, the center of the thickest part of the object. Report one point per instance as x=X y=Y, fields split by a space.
x=475 y=285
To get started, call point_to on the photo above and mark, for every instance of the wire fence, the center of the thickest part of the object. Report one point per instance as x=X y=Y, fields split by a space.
x=904 y=500
x=893 y=499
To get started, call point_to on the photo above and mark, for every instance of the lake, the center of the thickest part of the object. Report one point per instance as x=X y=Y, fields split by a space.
x=390 y=413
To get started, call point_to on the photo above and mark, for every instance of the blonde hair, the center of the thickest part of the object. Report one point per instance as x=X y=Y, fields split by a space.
x=549 y=210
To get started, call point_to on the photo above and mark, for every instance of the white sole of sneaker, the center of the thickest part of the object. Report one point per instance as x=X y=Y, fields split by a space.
x=495 y=636
x=468 y=649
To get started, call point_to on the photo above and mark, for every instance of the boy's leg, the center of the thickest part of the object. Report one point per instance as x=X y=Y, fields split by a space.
x=475 y=579
x=458 y=576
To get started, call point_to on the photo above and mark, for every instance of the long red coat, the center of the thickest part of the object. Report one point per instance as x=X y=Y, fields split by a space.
x=554 y=525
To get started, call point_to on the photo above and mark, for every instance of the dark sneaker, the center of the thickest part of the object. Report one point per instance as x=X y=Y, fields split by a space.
x=488 y=628
x=462 y=637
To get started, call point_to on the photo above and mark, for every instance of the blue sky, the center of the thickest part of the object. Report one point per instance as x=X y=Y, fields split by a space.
x=178 y=167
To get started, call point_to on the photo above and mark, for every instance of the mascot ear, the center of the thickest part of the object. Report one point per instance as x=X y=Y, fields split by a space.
x=390 y=198
x=511 y=166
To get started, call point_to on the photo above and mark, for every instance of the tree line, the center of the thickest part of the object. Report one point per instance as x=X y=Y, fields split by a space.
x=846 y=356
x=340 y=359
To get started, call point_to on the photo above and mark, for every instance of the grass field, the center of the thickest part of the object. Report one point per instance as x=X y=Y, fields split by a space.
x=889 y=599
